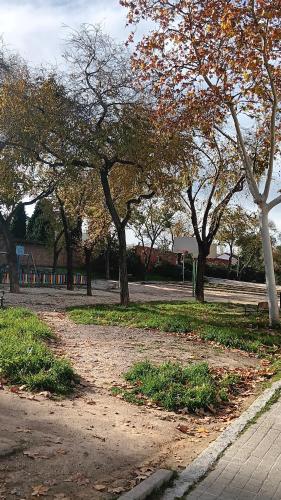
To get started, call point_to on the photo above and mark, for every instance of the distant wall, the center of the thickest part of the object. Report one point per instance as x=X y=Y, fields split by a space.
x=157 y=256
x=42 y=255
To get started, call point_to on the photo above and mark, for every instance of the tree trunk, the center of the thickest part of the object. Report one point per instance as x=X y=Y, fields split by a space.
x=69 y=265
x=230 y=260
x=148 y=260
x=88 y=257
x=11 y=256
x=107 y=261
x=13 y=267
x=201 y=266
x=123 y=273
x=274 y=318
x=56 y=251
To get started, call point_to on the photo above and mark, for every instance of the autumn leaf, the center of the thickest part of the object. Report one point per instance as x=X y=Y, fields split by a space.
x=100 y=487
x=39 y=490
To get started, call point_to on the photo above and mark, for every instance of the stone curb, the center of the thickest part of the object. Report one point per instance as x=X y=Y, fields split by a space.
x=201 y=465
x=149 y=485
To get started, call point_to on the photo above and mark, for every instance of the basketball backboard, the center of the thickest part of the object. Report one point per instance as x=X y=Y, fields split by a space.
x=189 y=244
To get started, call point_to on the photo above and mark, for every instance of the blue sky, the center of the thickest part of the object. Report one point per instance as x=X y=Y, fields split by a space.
x=37 y=29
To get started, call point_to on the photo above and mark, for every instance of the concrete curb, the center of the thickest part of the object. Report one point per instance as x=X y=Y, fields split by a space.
x=149 y=485
x=201 y=465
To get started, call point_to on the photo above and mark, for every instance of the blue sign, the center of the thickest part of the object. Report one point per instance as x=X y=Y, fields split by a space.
x=20 y=250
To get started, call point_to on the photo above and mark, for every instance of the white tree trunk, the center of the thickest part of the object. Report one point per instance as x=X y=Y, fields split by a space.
x=269 y=268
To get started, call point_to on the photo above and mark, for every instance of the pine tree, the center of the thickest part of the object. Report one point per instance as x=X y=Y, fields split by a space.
x=18 y=223
x=41 y=224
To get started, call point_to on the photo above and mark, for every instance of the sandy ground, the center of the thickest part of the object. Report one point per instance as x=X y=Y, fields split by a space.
x=55 y=299
x=95 y=445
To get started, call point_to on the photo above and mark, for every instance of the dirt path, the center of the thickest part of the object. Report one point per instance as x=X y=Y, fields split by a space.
x=58 y=299
x=95 y=445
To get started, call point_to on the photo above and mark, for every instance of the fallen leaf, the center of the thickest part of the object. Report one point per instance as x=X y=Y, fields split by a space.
x=14 y=389
x=39 y=491
x=99 y=487
x=46 y=394
x=61 y=451
x=183 y=428
x=141 y=477
x=119 y=489
x=202 y=430
x=78 y=478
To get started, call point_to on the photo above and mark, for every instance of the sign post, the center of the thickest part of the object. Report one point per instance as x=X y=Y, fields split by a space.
x=194 y=275
x=19 y=253
x=188 y=244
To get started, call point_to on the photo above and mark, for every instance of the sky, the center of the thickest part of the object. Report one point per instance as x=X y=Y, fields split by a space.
x=38 y=29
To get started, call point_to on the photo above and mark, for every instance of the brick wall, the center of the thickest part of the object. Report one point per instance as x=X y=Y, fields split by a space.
x=157 y=256
x=42 y=255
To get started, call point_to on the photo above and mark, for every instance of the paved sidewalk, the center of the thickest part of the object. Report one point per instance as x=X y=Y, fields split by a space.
x=251 y=467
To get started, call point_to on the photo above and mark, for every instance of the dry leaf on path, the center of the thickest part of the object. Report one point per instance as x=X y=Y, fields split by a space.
x=61 y=451
x=99 y=487
x=78 y=478
x=39 y=491
x=119 y=489
x=185 y=429
x=14 y=389
x=202 y=430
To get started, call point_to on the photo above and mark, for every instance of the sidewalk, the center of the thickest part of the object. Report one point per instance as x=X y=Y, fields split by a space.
x=251 y=467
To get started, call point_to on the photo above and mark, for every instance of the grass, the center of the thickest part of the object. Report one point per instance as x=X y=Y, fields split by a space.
x=174 y=387
x=223 y=323
x=25 y=357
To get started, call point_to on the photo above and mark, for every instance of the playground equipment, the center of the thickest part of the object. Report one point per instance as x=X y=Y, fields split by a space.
x=25 y=260
x=45 y=279
x=29 y=275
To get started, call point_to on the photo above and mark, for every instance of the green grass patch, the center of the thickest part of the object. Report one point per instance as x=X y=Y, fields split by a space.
x=174 y=387
x=25 y=358
x=223 y=323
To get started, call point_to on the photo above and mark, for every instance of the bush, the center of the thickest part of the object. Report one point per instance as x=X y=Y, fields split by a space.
x=172 y=272
x=26 y=359
x=134 y=265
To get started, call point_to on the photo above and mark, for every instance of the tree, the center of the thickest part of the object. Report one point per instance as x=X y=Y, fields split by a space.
x=18 y=222
x=21 y=177
x=41 y=225
x=250 y=246
x=18 y=181
x=237 y=223
x=149 y=222
x=94 y=122
x=219 y=62
x=209 y=174
x=98 y=222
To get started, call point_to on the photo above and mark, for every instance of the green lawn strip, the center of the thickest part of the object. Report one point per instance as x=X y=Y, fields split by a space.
x=175 y=387
x=226 y=324
x=25 y=357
